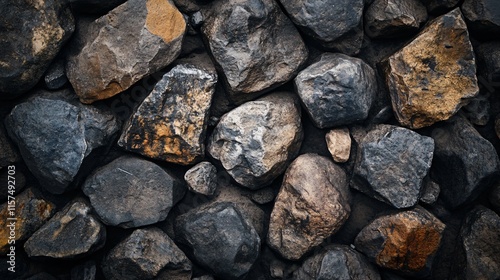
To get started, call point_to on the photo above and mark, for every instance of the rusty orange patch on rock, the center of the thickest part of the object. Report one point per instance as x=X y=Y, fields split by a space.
x=164 y=20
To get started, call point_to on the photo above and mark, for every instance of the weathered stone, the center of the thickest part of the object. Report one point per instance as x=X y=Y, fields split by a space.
x=55 y=133
x=73 y=232
x=440 y=6
x=171 y=122
x=256 y=141
x=94 y=6
x=392 y=163
x=202 y=178
x=55 y=77
x=339 y=144
x=255 y=45
x=430 y=192
x=483 y=15
x=434 y=75
x=133 y=40
x=405 y=241
x=313 y=203
x=33 y=32
x=220 y=238
x=147 y=254
x=394 y=18
x=132 y=192
x=84 y=271
x=337 y=90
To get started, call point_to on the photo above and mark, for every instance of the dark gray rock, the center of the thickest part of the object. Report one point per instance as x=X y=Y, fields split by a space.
x=41 y=276
x=33 y=32
x=440 y=6
x=147 y=254
x=254 y=44
x=84 y=271
x=94 y=6
x=483 y=16
x=337 y=90
x=488 y=60
x=8 y=152
x=430 y=192
x=264 y=195
x=392 y=163
x=478 y=109
x=132 y=192
x=55 y=133
x=220 y=238
x=494 y=198
x=55 y=77
x=202 y=178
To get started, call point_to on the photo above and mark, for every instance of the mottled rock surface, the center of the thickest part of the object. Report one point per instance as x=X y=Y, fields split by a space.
x=484 y=16
x=338 y=142
x=430 y=192
x=202 y=178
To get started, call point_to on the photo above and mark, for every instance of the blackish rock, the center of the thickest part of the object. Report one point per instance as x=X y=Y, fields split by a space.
x=483 y=15
x=42 y=276
x=478 y=109
x=488 y=60
x=264 y=195
x=84 y=271
x=202 y=178
x=430 y=192
x=440 y=6
x=94 y=6
x=55 y=77
x=494 y=198
x=8 y=152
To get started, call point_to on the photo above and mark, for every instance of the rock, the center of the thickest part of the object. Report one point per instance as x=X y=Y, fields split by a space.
x=204 y=277
x=71 y=233
x=147 y=254
x=55 y=133
x=337 y=262
x=434 y=75
x=84 y=271
x=332 y=23
x=313 y=203
x=256 y=141
x=94 y=6
x=465 y=164
x=254 y=44
x=264 y=195
x=202 y=178
x=120 y=48
x=171 y=122
x=392 y=163
x=55 y=77
x=440 y=6
x=488 y=59
x=8 y=152
x=430 y=192
x=30 y=211
x=483 y=15
x=220 y=238
x=132 y=192
x=339 y=144
x=405 y=241
x=478 y=109
x=337 y=90
x=33 y=32
x=494 y=198
x=188 y=6
x=394 y=18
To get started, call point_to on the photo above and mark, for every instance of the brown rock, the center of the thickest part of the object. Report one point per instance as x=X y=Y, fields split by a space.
x=339 y=144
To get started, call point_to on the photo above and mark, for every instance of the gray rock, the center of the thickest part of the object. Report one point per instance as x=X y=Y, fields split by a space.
x=32 y=35
x=221 y=239
x=430 y=192
x=483 y=16
x=488 y=60
x=202 y=178
x=254 y=44
x=313 y=203
x=147 y=254
x=256 y=141
x=478 y=109
x=84 y=271
x=337 y=90
x=392 y=163
x=440 y=6
x=72 y=233
x=55 y=77
x=55 y=133
x=132 y=192
x=94 y=6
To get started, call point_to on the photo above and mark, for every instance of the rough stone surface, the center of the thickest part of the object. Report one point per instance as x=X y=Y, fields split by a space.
x=94 y=6
x=55 y=133
x=55 y=77
x=430 y=192
x=392 y=163
x=440 y=6
x=434 y=75
x=202 y=178
x=33 y=32
x=73 y=232
x=488 y=59
x=405 y=241
x=220 y=238
x=338 y=142
x=147 y=254
x=337 y=90
x=84 y=271
x=313 y=203
x=132 y=192
x=484 y=16
x=133 y=40
x=254 y=44
x=256 y=141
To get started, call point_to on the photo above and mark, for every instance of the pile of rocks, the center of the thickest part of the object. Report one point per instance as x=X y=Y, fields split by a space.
x=250 y=139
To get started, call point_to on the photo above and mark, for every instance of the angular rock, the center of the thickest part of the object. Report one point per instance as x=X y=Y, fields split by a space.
x=337 y=90
x=118 y=49
x=406 y=241
x=313 y=203
x=33 y=32
x=440 y=6
x=55 y=133
x=71 y=233
x=339 y=144
x=132 y=192
x=392 y=163
x=254 y=44
x=220 y=238
x=55 y=77
x=430 y=192
x=94 y=6
x=256 y=141
x=483 y=15
x=434 y=75
x=202 y=178
x=171 y=122
x=147 y=254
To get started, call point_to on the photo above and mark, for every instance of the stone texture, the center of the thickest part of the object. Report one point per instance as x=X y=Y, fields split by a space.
x=73 y=232
x=254 y=44
x=478 y=109
x=434 y=75
x=338 y=142
x=312 y=204
x=202 y=178
x=430 y=192
x=55 y=133
x=483 y=15
x=392 y=163
x=147 y=254
x=33 y=32
x=440 y=6
x=488 y=60
x=337 y=90
x=94 y=6
x=220 y=239
x=256 y=141
x=406 y=241
x=132 y=192
x=55 y=77
x=84 y=271
x=8 y=152
x=118 y=49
